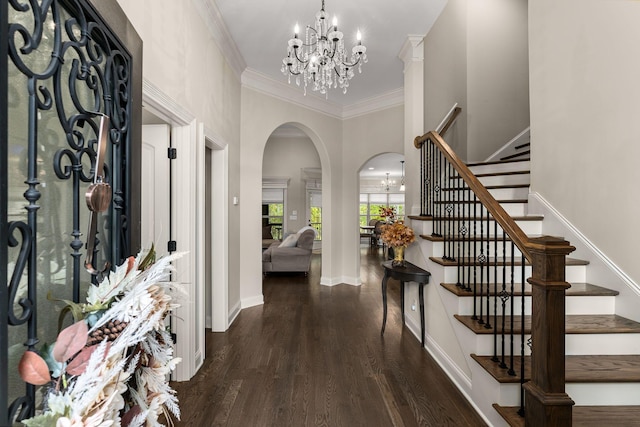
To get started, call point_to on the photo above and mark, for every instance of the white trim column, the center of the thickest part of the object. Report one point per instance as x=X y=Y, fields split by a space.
x=412 y=54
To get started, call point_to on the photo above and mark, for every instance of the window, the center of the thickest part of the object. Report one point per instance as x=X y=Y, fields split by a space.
x=273 y=210
x=370 y=204
x=315 y=212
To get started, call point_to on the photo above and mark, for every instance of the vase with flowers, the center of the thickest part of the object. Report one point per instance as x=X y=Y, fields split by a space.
x=398 y=236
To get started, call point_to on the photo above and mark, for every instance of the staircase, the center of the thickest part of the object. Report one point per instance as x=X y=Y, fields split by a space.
x=602 y=364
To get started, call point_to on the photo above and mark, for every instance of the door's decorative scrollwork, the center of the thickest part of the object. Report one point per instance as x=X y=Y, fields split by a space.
x=68 y=66
x=21 y=264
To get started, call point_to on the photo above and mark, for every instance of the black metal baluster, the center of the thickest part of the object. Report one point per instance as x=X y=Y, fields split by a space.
x=495 y=292
x=447 y=210
x=468 y=240
x=522 y=335
x=504 y=297
x=481 y=260
x=511 y=371
x=472 y=261
x=461 y=230
x=423 y=179
x=488 y=324
x=432 y=183
x=438 y=195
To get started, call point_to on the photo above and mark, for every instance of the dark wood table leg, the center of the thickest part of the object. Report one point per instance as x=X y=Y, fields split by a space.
x=421 y=292
x=384 y=301
x=402 y=300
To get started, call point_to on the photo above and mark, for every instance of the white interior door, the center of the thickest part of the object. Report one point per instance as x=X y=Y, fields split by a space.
x=155 y=207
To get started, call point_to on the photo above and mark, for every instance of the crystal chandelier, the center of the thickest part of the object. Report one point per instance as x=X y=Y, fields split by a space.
x=387 y=183
x=321 y=60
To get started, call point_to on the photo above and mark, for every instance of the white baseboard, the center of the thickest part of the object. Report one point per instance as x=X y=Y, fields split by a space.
x=233 y=313
x=351 y=281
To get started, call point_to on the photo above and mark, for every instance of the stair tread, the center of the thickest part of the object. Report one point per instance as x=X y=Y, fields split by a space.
x=477 y=202
x=584 y=416
x=517 y=155
x=500 y=261
x=494 y=162
x=490 y=187
x=574 y=324
x=578 y=368
x=481 y=175
x=515 y=218
x=576 y=289
x=457 y=238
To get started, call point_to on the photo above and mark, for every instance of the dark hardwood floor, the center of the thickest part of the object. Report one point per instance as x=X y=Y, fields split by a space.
x=312 y=355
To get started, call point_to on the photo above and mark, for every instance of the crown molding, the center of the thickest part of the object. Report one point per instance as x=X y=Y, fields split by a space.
x=221 y=35
x=412 y=50
x=259 y=82
x=376 y=103
x=275 y=181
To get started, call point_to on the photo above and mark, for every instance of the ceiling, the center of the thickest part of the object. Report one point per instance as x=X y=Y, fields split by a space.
x=378 y=167
x=261 y=30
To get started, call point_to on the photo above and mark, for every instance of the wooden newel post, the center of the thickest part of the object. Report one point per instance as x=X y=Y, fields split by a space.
x=547 y=404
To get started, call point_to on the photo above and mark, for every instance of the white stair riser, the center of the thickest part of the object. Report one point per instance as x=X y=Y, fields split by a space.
x=513 y=209
x=575 y=344
x=485 y=345
x=475 y=248
x=426 y=227
x=501 y=167
x=604 y=393
x=602 y=344
x=509 y=193
x=505 y=179
x=573 y=273
x=574 y=305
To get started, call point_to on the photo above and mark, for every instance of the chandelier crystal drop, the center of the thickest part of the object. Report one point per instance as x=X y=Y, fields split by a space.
x=321 y=61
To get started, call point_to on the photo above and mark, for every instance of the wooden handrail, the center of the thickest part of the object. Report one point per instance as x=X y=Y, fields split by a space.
x=507 y=223
x=452 y=118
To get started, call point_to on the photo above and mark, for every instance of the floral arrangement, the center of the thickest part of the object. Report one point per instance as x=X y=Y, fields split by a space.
x=389 y=213
x=397 y=234
x=110 y=367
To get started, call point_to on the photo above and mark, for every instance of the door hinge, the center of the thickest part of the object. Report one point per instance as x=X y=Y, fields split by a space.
x=172 y=153
x=172 y=246
x=174 y=338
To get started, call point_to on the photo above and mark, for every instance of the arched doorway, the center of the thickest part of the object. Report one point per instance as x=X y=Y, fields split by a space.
x=291 y=187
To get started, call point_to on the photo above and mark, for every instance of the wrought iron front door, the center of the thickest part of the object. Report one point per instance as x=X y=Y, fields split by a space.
x=64 y=69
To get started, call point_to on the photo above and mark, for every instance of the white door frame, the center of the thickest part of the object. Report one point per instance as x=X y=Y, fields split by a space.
x=219 y=230
x=189 y=269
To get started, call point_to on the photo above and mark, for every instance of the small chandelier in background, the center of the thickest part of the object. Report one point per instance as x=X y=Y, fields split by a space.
x=321 y=60
x=386 y=183
x=402 y=180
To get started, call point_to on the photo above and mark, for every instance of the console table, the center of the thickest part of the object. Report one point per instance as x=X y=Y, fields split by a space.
x=408 y=273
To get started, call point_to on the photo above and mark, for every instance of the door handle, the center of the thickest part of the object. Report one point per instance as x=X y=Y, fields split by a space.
x=97 y=196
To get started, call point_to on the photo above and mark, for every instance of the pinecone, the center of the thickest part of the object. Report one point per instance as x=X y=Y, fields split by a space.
x=110 y=331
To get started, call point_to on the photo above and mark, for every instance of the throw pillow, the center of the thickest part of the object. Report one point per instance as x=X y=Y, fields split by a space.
x=266 y=232
x=305 y=228
x=289 y=242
